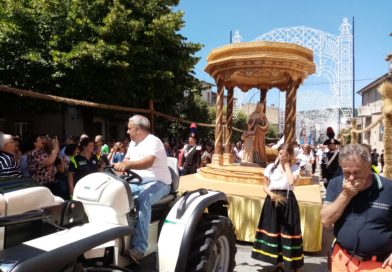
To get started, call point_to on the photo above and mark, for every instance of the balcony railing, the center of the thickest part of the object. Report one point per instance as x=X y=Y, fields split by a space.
x=371 y=109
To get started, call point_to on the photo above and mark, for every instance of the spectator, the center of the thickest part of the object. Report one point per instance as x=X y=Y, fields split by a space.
x=358 y=208
x=101 y=147
x=330 y=167
x=319 y=154
x=18 y=152
x=191 y=158
x=235 y=150
x=374 y=155
x=9 y=167
x=41 y=161
x=68 y=141
x=84 y=163
x=26 y=147
x=61 y=179
x=206 y=157
x=305 y=159
x=168 y=149
x=117 y=153
x=71 y=150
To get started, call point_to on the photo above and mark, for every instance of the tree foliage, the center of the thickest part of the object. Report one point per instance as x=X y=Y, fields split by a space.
x=110 y=51
x=192 y=108
x=272 y=131
x=239 y=121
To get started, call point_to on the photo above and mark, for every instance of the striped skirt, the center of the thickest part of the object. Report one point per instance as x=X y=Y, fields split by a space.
x=278 y=235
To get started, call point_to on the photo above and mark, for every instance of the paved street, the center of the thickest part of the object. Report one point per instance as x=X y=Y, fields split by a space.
x=314 y=262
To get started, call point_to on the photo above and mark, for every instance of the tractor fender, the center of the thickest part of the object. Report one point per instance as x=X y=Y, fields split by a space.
x=180 y=225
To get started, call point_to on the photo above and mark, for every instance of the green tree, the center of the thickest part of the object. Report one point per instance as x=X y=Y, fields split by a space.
x=272 y=131
x=239 y=121
x=109 y=51
x=192 y=108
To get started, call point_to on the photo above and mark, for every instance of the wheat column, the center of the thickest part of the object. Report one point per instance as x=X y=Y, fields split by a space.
x=386 y=90
x=291 y=111
x=217 y=158
x=228 y=158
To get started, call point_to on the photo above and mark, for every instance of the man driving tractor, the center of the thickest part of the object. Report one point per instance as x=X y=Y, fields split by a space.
x=146 y=157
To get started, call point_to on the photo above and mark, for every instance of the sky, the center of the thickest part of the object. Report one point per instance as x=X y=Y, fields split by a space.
x=209 y=22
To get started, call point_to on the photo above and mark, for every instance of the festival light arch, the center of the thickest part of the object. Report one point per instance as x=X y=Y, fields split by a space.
x=333 y=56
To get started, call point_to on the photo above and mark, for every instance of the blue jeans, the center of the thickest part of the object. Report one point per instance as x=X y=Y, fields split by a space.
x=147 y=194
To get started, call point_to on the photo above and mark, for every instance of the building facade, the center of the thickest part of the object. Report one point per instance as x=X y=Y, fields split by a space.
x=65 y=122
x=370 y=110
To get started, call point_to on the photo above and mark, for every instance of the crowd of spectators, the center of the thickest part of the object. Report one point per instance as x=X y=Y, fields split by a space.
x=59 y=165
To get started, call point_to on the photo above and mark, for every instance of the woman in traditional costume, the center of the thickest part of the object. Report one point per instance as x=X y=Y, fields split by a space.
x=278 y=237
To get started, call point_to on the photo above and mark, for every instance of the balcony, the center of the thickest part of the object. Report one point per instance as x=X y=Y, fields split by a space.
x=371 y=109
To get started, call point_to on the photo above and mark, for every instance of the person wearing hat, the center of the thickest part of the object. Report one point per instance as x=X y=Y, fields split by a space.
x=330 y=166
x=191 y=158
x=374 y=155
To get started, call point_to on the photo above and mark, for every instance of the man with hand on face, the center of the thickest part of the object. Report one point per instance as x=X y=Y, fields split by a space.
x=146 y=156
x=359 y=207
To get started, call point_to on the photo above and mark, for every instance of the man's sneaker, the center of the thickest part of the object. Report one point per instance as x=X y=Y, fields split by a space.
x=135 y=255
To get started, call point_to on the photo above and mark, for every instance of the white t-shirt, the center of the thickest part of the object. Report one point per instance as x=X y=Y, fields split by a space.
x=304 y=160
x=319 y=155
x=151 y=145
x=278 y=180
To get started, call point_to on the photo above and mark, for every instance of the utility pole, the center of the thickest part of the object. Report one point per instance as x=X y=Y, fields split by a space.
x=353 y=57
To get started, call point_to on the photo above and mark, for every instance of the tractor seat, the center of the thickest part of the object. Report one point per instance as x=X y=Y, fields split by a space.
x=158 y=208
x=175 y=175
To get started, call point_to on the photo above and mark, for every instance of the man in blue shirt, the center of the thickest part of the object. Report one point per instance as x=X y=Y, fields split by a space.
x=359 y=207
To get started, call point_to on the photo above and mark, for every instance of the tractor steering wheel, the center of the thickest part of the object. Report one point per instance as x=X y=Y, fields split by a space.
x=131 y=176
x=109 y=169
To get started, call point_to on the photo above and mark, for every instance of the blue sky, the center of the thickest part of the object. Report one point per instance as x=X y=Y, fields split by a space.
x=209 y=22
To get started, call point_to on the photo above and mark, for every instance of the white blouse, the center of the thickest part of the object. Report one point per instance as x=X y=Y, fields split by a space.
x=278 y=180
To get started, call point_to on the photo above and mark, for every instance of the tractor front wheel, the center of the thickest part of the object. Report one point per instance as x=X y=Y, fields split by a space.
x=213 y=247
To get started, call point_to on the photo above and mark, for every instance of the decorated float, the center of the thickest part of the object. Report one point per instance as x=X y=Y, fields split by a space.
x=262 y=65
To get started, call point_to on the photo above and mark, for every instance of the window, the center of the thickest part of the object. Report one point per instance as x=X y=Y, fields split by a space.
x=381 y=132
x=21 y=128
x=378 y=96
x=365 y=99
